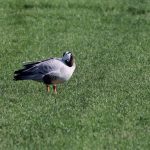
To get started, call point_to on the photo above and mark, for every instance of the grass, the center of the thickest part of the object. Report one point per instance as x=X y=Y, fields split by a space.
x=106 y=103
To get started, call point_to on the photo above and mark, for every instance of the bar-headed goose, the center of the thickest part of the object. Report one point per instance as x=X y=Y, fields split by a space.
x=50 y=71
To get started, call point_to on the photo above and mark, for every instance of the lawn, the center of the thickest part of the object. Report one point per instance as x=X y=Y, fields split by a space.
x=106 y=104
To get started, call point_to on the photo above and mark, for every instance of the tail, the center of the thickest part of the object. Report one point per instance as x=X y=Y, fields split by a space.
x=29 y=72
x=18 y=77
x=22 y=74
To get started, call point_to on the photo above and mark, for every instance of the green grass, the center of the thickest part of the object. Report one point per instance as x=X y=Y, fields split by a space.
x=106 y=104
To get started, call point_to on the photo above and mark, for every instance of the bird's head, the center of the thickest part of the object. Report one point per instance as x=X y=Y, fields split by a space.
x=68 y=58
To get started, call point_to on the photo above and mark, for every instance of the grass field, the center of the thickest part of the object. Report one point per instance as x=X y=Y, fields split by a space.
x=106 y=104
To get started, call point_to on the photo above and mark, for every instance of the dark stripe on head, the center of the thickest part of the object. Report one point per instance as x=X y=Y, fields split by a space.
x=66 y=53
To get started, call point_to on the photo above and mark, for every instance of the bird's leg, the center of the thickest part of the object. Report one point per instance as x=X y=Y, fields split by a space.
x=54 y=88
x=47 y=88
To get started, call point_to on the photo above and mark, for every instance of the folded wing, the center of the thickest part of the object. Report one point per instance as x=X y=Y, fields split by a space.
x=36 y=70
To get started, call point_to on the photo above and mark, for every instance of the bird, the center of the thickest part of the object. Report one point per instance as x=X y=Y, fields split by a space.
x=51 y=71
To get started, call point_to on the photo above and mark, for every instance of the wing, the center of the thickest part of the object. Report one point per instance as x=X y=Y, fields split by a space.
x=31 y=64
x=51 y=65
x=36 y=70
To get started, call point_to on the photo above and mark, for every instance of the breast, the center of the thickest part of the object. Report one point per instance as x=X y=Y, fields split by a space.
x=63 y=72
x=66 y=72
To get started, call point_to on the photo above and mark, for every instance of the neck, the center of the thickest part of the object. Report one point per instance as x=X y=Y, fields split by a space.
x=70 y=63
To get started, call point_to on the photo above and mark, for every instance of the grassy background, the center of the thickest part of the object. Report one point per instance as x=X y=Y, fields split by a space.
x=106 y=104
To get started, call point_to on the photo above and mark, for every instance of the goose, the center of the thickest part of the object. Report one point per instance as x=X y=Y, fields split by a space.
x=50 y=71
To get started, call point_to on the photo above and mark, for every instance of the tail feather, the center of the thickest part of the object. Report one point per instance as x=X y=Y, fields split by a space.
x=30 y=65
x=18 y=77
x=29 y=72
x=19 y=71
x=23 y=74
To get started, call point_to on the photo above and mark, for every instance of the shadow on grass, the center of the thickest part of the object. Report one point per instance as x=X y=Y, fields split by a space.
x=137 y=11
x=41 y=6
x=92 y=7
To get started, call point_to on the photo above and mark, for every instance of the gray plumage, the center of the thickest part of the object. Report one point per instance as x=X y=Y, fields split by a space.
x=50 y=71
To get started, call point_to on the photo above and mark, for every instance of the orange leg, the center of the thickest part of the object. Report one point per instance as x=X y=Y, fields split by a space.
x=47 y=88
x=54 y=88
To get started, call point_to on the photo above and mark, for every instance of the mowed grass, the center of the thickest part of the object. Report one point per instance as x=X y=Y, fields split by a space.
x=106 y=104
